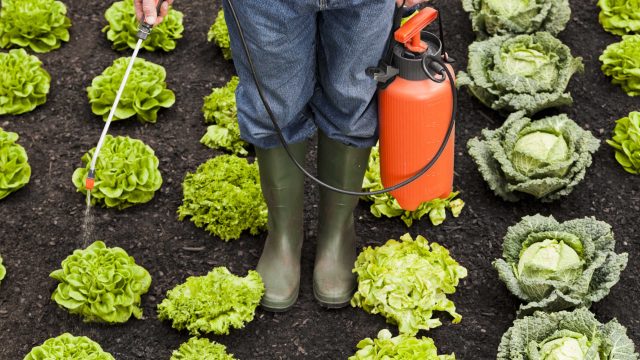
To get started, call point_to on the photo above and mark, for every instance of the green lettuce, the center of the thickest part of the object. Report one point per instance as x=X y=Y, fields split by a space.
x=224 y=197
x=563 y=335
x=15 y=171
x=544 y=158
x=507 y=17
x=213 y=303
x=220 y=110
x=626 y=142
x=524 y=72
x=556 y=266
x=126 y=173
x=385 y=204
x=219 y=33
x=24 y=85
x=68 y=347
x=123 y=28
x=3 y=271
x=101 y=284
x=41 y=25
x=145 y=93
x=621 y=61
x=406 y=281
x=620 y=17
x=399 y=347
x=201 y=349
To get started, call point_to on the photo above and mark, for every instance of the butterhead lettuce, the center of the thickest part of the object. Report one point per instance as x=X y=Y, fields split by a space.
x=621 y=61
x=620 y=17
x=400 y=347
x=626 y=142
x=15 y=170
x=24 y=85
x=220 y=110
x=68 y=347
x=201 y=349
x=41 y=25
x=219 y=33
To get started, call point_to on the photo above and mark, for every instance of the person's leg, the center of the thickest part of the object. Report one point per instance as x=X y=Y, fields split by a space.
x=281 y=36
x=352 y=38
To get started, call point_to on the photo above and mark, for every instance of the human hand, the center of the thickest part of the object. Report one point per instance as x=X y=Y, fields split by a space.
x=147 y=9
x=409 y=3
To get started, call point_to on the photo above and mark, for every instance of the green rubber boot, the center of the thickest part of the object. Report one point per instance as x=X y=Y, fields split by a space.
x=341 y=166
x=283 y=189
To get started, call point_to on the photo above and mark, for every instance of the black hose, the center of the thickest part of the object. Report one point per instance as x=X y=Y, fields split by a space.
x=422 y=171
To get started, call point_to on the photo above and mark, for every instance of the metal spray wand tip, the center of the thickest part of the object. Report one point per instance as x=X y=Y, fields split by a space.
x=90 y=182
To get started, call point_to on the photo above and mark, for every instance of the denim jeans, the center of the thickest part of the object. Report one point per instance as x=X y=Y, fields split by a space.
x=310 y=56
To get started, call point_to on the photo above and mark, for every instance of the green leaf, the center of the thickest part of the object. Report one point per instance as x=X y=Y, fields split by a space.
x=15 y=170
x=126 y=173
x=399 y=347
x=524 y=72
x=620 y=17
x=406 y=281
x=24 y=85
x=68 y=347
x=621 y=61
x=41 y=25
x=213 y=303
x=3 y=271
x=201 y=349
x=143 y=96
x=224 y=197
x=219 y=34
x=626 y=142
x=545 y=158
x=220 y=110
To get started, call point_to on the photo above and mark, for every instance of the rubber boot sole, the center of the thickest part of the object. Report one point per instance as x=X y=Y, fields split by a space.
x=333 y=302
x=279 y=307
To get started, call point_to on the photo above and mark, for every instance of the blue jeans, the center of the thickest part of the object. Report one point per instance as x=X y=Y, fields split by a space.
x=310 y=56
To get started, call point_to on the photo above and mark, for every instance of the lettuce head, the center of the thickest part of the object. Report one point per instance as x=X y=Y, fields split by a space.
x=15 y=170
x=620 y=17
x=621 y=61
x=626 y=142
x=41 y=25
x=24 y=85
x=68 y=347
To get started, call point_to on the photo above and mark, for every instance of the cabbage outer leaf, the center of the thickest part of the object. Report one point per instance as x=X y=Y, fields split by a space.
x=528 y=336
x=626 y=142
x=399 y=347
x=507 y=17
x=220 y=110
x=126 y=173
x=524 y=72
x=68 y=347
x=41 y=25
x=213 y=303
x=219 y=33
x=600 y=271
x=24 y=85
x=513 y=176
x=201 y=349
x=144 y=94
x=224 y=197
x=15 y=170
x=406 y=281
x=123 y=28
x=387 y=205
x=101 y=284
x=621 y=61
x=620 y=17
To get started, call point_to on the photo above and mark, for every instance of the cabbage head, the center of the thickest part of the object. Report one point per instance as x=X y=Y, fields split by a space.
x=543 y=158
x=400 y=347
x=620 y=17
x=68 y=347
x=556 y=266
x=144 y=94
x=626 y=142
x=406 y=281
x=510 y=17
x=385 y=204
x=123 y=28
x=201 y=349
x=524 y=72
x=564 y=335
x=101 y=284
x=220 y=110
x=41 y=25
x=213 y=303
x=224 y=197
x=621 y=61
x=219 y=33
x=24 y=85
x=15 y=170
x=3 y=271
x=126 y=173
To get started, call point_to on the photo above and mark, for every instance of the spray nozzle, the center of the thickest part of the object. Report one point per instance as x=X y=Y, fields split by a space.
x=144 y=29
x=409 y=34
x=90 y=182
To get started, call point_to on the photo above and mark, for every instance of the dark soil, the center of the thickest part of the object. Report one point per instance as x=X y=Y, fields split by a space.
x=41 y=224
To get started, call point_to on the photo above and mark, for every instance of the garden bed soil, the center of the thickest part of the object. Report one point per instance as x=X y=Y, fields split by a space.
x=42 y=223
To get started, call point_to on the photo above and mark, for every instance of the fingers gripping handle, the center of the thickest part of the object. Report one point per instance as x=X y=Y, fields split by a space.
x=144 y=29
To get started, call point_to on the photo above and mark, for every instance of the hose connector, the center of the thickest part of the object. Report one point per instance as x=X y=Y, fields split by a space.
x=144 y=29
x=90 y=182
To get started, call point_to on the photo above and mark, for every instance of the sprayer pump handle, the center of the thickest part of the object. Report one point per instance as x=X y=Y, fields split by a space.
x=409 y=33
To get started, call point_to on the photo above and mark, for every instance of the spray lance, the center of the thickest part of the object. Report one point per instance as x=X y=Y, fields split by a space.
x=417 y=109
x=144 y=29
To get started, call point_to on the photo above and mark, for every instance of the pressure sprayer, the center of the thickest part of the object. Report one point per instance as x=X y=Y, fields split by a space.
x=144 y=30
x=417 y=110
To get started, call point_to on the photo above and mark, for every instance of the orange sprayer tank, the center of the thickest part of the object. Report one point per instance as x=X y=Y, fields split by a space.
x=414 y=114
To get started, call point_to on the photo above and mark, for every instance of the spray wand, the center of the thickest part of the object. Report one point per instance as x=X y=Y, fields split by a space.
x=144 y=29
